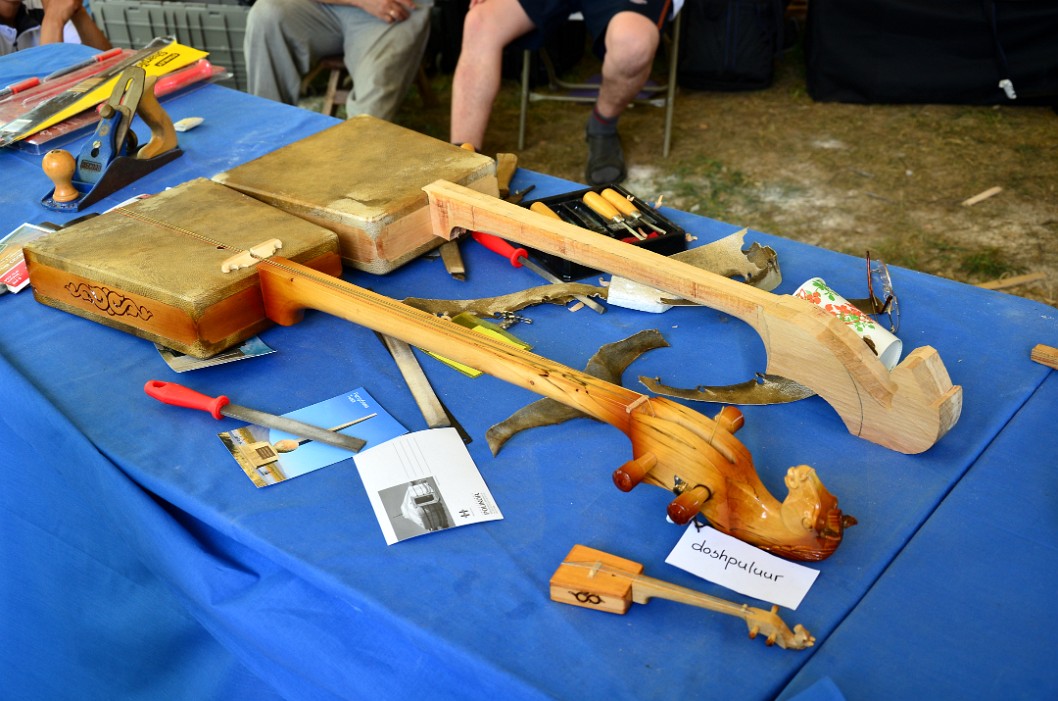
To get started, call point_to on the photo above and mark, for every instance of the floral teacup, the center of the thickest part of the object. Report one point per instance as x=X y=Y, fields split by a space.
x=885 y=344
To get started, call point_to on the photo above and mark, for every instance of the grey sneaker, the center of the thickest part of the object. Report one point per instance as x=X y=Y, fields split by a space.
x=606 y=159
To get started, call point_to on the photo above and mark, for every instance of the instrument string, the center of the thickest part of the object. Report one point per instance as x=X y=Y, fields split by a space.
x=366 y=296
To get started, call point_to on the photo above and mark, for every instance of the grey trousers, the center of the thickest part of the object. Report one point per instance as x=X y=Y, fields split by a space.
x=285 y=38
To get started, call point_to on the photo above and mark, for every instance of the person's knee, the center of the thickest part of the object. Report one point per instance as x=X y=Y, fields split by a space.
x=267 y=13
x=631 y=41
x=490 y=26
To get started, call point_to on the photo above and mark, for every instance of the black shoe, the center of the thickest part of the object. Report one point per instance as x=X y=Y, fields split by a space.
x=606 y=159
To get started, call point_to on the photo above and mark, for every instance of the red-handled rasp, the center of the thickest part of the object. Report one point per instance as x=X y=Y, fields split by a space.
x=178 y=395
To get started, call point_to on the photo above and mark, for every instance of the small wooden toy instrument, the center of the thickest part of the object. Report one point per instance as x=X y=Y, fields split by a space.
x=598 y=580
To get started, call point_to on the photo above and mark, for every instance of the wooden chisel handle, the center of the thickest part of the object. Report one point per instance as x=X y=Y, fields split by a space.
x=626 y=207
x=541 y=208
x=620 y=202
x=608 y=212
x=601 y=207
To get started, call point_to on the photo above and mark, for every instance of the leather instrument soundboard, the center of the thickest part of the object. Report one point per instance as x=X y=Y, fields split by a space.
x=363 y=179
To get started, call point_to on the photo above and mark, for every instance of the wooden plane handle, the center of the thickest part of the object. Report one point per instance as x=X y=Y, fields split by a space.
x=60 y=165
x=163 y=133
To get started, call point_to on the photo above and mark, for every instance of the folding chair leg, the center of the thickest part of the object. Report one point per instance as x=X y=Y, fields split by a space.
x=332 y=92
x=670 y=99
x=525 y=100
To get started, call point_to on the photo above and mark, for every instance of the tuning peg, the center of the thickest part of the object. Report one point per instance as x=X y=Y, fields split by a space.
x=684 y=507
x=632 y=472
x=730 y=419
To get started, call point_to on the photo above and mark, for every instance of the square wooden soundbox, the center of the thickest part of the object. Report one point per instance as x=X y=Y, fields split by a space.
x=156 y=268
x=363 y=180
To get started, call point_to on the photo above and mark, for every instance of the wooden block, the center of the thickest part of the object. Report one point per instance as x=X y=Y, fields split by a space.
x=363 y=179
x=576 y=582
x=1045 y=355
x=153 y=269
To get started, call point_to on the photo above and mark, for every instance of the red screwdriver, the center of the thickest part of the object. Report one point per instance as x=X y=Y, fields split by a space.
x=520 y=257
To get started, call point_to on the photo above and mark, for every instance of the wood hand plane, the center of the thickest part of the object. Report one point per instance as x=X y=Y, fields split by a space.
x=112 y=158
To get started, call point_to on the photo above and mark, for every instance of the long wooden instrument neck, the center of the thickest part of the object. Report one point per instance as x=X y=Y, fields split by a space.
x=289 y=288
x=907 y=410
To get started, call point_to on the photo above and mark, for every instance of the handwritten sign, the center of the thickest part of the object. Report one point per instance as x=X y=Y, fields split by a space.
x=732 y=563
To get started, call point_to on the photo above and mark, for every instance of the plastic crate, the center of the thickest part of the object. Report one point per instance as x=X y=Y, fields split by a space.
x=218 y=28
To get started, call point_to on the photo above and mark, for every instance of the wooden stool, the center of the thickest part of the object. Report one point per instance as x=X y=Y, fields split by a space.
x=336 y=94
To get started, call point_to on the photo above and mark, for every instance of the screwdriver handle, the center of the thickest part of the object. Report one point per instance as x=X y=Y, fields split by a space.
x=178 y=395
x=541 y=208
x=627 y=208
x=18 y=87
x=620 y=203
x=601 y=207
x=498 y=245
x=199 y=70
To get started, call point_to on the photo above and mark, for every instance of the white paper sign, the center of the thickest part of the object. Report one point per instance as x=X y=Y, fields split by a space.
x=732 y=563
x=423 y=482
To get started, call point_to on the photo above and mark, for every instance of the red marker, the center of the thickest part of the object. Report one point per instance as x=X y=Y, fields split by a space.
x=20 y=86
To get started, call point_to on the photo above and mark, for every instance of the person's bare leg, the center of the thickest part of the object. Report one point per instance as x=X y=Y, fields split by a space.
x=631 y=41
x=489 y=26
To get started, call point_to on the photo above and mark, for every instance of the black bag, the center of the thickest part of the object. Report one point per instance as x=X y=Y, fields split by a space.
x=730 y=44
x=975 y=52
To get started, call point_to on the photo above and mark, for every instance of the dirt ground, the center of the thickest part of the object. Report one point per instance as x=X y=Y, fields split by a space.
x=893 y=179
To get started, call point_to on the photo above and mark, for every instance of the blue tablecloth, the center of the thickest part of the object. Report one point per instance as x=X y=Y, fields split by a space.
x=965 y=609
x=139 y=562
